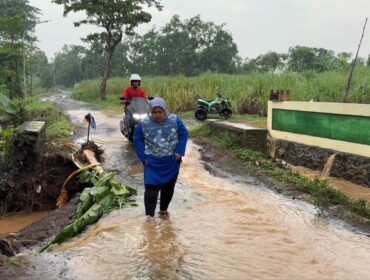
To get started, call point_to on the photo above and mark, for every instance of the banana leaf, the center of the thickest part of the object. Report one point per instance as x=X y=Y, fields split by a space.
x=104 y=178
x=90 y=217
x=105 y=196
x=119 y=190
x=121 y=202
x=7 y=105
x=86 y=177
x=99 y=192
x=84 y=204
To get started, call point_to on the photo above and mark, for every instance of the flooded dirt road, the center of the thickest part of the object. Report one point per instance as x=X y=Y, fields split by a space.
x=220 y=228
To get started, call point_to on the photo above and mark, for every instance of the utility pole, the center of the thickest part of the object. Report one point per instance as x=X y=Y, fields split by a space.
x=55 y=86
x=349 y=79
x=24 y=53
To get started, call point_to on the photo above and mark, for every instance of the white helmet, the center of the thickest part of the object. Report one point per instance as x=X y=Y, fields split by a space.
x=135 y=77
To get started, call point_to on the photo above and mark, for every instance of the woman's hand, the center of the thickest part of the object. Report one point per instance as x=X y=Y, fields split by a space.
x=178 y=156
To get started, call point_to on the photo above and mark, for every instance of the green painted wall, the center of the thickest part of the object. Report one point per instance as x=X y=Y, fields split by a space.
x=354 y=129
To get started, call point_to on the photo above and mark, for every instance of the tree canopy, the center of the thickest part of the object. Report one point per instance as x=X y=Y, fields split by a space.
x=186 y=47
x=114 y=18
x=17 y=21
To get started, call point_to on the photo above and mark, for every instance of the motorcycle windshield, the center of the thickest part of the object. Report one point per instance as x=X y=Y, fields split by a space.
x=139 y=106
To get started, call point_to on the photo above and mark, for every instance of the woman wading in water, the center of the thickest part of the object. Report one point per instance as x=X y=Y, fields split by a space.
x=160 y=143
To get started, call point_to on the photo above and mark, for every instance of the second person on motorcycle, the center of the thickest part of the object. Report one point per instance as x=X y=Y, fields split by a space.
x=133 y=90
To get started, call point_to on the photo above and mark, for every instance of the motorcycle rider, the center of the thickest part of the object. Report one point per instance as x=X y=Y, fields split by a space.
x=133 y=90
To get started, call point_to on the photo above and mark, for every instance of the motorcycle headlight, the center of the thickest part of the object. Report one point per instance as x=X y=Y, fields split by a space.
x=139 y=117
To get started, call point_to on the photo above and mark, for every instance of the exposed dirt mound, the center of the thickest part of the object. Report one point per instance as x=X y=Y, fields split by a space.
x=37 y=190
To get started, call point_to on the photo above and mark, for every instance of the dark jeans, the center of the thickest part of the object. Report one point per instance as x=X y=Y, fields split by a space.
x=151 y=196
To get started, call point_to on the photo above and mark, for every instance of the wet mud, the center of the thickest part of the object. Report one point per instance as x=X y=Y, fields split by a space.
x=38 y=190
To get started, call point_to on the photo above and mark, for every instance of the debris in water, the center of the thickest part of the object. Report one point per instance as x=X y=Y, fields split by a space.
x=16 y=261
x=105 y=196
x=6 y=248
x=91 y=146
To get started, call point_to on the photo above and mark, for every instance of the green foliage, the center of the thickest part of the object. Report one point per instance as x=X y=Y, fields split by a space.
x=91 y=216
x=7 y=105
x=17 y=21
x=200 y=131
x=6 y=148
x=57 y=124
x=247 y=93
x=67 y=65
x=188 y=47
x=41 y=111
x=115 y=18
x=16 y=261
x=105 y=196
x=38 y=72
x=75 y=63
x=321 y=193
x=59 y=129
x=269 y=62
x=318 y=59
x=16 y=18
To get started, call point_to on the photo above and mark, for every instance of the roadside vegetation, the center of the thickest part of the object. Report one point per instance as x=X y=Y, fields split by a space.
x=319 y=192
x=57 y=127
x=248 y=93
x=57 y=123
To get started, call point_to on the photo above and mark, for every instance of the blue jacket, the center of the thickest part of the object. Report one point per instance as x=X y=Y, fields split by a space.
x=157 y=144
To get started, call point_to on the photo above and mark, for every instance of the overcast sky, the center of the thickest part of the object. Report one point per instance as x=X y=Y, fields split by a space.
x=257 y=26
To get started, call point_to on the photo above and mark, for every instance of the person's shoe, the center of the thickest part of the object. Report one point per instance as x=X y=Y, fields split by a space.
x=150 y=219
x=164 y=214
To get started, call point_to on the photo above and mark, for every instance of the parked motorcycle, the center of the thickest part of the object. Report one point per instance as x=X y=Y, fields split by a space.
x=219 y=105
x=137 y=110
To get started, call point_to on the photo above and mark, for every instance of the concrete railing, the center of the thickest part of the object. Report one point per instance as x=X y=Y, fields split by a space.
x=251 y=137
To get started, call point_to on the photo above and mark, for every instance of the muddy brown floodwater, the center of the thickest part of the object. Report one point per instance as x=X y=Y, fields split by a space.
x=220 y=228
x=14 y=223
x=352 y=190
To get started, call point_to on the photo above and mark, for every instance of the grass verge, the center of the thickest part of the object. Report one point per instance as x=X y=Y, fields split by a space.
x=57 y=123
x=320 y=193
x=248 y=94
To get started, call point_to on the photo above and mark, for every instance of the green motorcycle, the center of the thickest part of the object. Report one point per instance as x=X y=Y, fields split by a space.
x=219 y=105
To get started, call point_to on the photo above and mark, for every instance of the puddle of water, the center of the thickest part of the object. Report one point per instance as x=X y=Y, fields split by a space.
x=135 y=169
x=14 y=223
x=352 y=190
